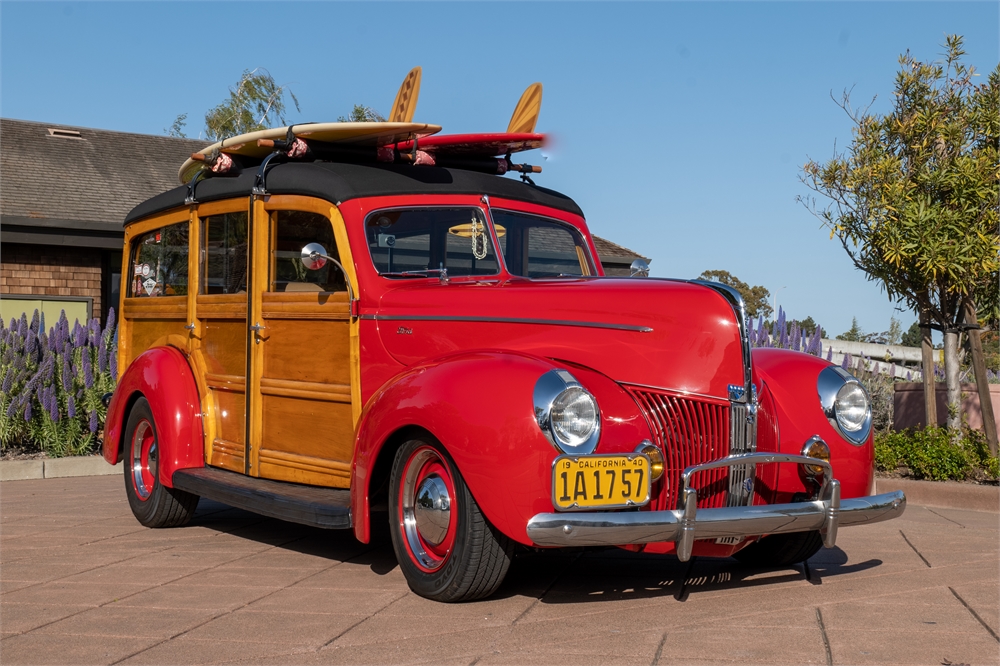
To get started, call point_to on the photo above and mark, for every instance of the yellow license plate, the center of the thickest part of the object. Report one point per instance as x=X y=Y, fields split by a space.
x=600 y=481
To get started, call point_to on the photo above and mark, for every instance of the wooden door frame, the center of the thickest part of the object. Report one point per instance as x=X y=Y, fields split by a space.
x=261 y=234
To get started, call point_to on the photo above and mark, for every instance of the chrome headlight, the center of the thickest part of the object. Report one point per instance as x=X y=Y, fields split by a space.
x=845 y=403
x=567 y=413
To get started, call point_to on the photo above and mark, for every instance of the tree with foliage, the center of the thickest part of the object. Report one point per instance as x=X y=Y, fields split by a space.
x=362 y=114
x=913 y=199
x=256 y=103
x=808 y=325
x=755 y=298
x=854 y=334
x=913 y=336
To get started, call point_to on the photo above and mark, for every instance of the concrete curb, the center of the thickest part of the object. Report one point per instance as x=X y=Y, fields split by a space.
x=944 y=494
x=56 y=468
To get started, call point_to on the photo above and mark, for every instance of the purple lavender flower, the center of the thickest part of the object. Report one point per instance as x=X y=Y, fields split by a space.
x=41 y=322
x=829 y=354
x=34 y=323
x=847 y=361
x=12 y=409
x=88 y=371
x=30 y=343
x=93 y=422
x=113 y=366
x=8 y=381
x=79 y=335
x=53 y=406
x=796 y=336
x=909 y=376
x=110 y=326
x=67 y=375
x=27 y=409
x=102 y=356
x=94 y=332
x=71 y=406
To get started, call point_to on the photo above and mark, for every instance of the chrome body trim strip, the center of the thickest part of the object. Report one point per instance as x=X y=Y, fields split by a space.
x=510 y=320
x=638 y=527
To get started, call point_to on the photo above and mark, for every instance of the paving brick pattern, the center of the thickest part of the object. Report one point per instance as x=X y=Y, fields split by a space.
x=81 y=582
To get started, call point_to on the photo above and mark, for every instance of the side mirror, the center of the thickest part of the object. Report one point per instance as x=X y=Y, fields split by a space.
x=639 y=268
x=314 y=256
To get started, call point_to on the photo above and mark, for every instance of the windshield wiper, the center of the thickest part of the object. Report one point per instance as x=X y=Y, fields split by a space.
x=427 y=272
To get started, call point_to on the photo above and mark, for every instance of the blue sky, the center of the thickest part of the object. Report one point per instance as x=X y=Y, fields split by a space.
x=680 y=128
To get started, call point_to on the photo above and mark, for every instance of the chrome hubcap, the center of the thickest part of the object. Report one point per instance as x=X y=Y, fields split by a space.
x=432 y=509
x=144 y=455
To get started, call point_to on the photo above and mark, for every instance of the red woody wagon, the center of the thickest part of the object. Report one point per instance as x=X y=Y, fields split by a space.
x=334 y=327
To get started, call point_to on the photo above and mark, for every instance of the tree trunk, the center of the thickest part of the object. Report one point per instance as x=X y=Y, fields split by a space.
x=979 y=366
x=927 y=351
x=951 y=378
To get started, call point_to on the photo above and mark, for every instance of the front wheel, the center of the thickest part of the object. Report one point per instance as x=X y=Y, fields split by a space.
x=781 y=550
x=446 y=548
x=152 y=503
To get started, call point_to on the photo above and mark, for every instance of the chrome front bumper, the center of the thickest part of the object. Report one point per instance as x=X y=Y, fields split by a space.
x=686 y=524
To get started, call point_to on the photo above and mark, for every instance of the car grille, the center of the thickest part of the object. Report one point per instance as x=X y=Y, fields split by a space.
x=689 y=431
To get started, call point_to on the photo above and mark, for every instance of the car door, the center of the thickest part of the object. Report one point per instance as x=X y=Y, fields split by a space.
x=303 y=390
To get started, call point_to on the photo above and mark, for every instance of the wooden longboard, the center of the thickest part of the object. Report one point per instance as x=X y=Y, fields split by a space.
x=405 y=103
x=497 y=144
x=526 y=112
x=348 y=134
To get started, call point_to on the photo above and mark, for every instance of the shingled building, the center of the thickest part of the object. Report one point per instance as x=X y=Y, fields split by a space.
x=64 y=192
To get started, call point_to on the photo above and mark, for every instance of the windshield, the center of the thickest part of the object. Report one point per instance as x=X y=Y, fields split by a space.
x=538 y=247
x=418 y=242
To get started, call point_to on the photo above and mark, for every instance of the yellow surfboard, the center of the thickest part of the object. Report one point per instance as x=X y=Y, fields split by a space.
x=353 y=134
x=526 y=112
x=406 y=99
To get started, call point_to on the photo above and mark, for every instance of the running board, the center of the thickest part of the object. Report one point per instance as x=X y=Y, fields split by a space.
x=327 y=508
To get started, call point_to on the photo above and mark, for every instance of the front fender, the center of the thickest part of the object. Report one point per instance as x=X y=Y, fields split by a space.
x=791 y=378
x=479 y=406
x=163 y=376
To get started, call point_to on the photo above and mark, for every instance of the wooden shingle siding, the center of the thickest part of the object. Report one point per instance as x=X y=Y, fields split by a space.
x=48 y=270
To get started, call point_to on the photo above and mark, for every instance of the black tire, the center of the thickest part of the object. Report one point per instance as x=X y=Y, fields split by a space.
x=152 y=503
x=781 y=550
x=471 y=558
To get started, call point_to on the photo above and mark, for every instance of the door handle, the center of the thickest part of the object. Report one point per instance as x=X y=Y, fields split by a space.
x=257 y=328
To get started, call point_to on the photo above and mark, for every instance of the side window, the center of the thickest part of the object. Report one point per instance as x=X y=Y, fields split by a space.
x=292 y=231
x=537 y=247
x=160 y=262
x=421 y=241
x=224 y=253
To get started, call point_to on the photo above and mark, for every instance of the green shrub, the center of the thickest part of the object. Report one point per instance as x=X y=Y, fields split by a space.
x=938 y=454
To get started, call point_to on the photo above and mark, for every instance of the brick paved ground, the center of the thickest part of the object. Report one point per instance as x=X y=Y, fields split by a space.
x=83 y=583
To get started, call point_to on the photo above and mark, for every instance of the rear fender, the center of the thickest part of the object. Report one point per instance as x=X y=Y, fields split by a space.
x=163 y=376
x=479 y=406
x=791 y=378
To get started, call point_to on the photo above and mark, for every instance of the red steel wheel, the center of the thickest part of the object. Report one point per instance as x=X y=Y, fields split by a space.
x=152 y=503
x=425 y=499
x=446 y=548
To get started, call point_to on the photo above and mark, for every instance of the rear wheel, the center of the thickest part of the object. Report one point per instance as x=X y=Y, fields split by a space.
x=446 y=548
x=152 y=503
x=780 y=550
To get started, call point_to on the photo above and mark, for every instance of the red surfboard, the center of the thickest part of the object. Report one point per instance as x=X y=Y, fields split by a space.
x=497 y=144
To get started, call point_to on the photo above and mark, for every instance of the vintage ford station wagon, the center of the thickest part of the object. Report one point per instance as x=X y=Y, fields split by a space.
x=330 y=340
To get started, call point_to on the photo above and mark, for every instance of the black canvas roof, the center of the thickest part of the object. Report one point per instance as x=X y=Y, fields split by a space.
x=338 y=182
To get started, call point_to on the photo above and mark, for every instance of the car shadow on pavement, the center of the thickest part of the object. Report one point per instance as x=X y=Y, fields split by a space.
x=591 y=575
x=553 y=576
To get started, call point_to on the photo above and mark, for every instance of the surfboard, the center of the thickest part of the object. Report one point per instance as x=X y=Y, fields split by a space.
x=405 y=103
x=526 y=112
x=496 y=144
x=352 y=134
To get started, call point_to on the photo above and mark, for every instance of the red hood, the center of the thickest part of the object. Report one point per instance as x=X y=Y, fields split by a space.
x=663 y=333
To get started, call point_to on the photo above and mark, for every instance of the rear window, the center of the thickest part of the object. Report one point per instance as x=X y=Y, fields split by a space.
x=159 y=265
x=538 y=247
x=420 y=242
